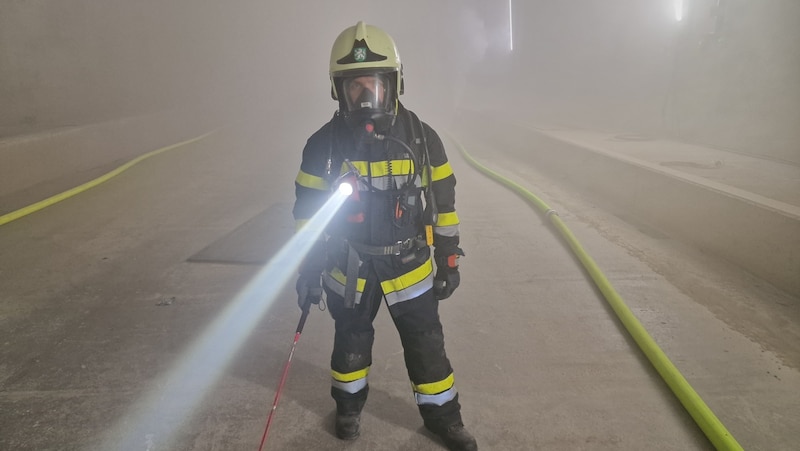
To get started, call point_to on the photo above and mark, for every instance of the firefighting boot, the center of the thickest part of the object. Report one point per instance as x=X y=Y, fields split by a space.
x=348 y=426
x=456 y=438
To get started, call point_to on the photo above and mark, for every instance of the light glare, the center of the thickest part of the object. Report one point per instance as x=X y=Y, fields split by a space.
x=346 y=189
x=678 y=10
x=510 y=27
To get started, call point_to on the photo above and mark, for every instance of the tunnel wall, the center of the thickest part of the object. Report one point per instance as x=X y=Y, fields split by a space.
x=71 y=63
x=727 y=223
x=725 y=76
x=737 y=77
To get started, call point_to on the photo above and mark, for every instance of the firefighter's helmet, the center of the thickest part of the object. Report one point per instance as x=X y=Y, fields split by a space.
x=366 y=76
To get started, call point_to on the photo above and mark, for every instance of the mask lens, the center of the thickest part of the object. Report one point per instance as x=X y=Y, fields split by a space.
x=368 y=91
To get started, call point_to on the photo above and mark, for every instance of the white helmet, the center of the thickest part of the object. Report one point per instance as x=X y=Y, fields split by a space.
x=366 y=76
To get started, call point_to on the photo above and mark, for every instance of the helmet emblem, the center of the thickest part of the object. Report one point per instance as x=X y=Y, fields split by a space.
x=359 y=54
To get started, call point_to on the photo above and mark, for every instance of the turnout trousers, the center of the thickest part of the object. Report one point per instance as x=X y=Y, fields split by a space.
x=417 y=322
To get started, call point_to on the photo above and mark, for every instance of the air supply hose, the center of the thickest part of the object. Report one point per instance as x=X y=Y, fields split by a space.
x=711 y=426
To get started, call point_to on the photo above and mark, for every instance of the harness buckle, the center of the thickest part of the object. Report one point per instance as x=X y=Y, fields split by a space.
x=403 y=245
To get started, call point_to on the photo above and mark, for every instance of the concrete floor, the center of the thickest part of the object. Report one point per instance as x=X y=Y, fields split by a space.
x=101 y=296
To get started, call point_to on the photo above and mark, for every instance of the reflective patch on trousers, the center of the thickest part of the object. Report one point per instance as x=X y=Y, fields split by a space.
x=350 y=382
x=438 y=399
x=350 y=387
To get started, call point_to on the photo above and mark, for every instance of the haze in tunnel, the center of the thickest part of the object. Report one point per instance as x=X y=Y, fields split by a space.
x=724 y=76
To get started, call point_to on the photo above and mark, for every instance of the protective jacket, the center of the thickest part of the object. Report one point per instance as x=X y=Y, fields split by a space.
x=400 y=190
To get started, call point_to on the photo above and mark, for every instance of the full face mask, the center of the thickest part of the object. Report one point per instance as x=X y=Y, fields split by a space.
x=368 y=102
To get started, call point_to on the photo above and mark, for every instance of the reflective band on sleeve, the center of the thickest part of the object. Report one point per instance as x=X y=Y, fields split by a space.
x=442 y=172
x=446 y=231
x=311 y=181
x=438 y=399
x=409 y=285
x=447 y=219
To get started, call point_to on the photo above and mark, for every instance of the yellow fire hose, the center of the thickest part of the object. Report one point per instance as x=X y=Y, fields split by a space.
x=6 y=218
x=711 y=426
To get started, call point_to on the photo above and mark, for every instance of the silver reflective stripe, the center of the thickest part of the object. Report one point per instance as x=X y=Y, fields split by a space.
x=380 y=183
x=337 y=287
x=350 y=387
x=438 y=399
x=411 y=292
x=384 y=183
x=446 y=230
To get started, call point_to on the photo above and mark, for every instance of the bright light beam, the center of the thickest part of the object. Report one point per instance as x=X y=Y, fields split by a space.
x=151 y=423
x=678 y=10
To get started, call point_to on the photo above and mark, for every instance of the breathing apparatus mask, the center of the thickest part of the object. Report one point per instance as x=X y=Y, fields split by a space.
x=368 y=102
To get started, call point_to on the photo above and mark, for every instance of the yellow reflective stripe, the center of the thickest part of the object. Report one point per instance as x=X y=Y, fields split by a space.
x=350 y=377
x=311 y=181
x=401 y=167
x=299 y=224
x=361 y=166
x=436 y=387
x=338 y=276
x=408 y=279
x=412 y=292
x=447 y=219
x=338 y=287
x=380 y=168
x=443 y=171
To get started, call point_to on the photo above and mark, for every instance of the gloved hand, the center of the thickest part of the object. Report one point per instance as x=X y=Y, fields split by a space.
x=447 y=277
x=309 y=289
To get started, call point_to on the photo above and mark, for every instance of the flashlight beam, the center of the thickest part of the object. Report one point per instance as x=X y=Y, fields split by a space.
x=153 y=420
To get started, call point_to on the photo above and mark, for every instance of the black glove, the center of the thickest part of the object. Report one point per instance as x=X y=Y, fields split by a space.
x=309 y=290
x=447 y=276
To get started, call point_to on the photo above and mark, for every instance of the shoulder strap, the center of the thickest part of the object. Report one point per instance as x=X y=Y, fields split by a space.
x=417 y=132
x=335 y=158
x=431 y=212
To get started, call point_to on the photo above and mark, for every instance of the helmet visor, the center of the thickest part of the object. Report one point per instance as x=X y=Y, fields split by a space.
x=367 y=91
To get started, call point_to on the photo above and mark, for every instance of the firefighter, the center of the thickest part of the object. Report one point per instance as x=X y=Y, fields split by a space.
x=378 y=247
